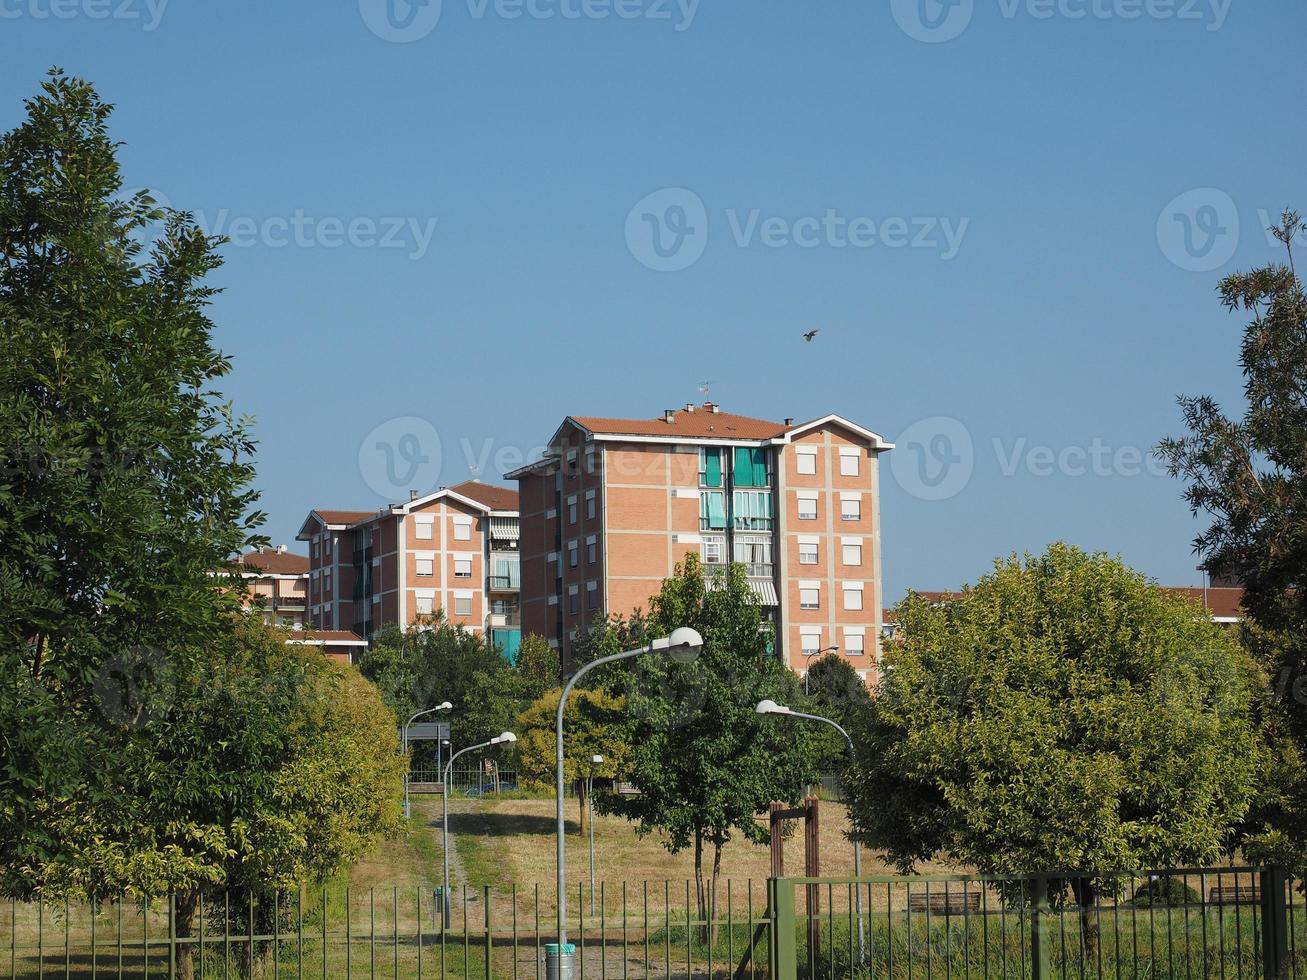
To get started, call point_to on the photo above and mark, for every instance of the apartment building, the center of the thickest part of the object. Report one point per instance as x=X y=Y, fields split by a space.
x=278 y=585
x=455 y=549
x=615 y=504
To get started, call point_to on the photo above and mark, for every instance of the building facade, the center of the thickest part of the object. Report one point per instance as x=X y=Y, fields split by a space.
x=615 y=504
x=278 y=585
x=455 y=550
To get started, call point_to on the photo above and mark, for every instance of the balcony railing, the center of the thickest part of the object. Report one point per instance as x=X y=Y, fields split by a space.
x=754 y=523
x=759 y=570
x=504 y=583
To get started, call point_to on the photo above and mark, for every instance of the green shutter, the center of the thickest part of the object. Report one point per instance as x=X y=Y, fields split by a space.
x=717 y=511
x=713 y=467
x=750 y=467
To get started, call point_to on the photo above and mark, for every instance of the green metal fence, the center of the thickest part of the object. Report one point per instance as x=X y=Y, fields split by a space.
x=1228 y=922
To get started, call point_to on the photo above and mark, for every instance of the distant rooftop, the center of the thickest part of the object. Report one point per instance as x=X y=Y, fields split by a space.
x=705 y=421
x=275 y=561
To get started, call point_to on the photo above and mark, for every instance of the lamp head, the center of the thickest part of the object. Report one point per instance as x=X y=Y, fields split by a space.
x=684 y=645
x=444 y=706
x=505 y=737
x=598 y=760
x=770 y=707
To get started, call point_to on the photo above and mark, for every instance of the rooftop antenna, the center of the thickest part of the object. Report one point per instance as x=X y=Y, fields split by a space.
x=706 y=388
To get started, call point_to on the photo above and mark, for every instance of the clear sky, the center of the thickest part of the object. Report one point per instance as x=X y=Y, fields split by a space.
x=1007 y=218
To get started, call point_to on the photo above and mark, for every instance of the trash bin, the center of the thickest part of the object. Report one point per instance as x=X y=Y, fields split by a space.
x=560 y=962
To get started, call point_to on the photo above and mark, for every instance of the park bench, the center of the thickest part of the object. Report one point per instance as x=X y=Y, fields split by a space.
x=953 y=902
x=1235 y=895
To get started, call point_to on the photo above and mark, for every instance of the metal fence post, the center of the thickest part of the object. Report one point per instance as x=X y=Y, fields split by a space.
x=1275 y=923
x=1040 y=945
x=784 y=941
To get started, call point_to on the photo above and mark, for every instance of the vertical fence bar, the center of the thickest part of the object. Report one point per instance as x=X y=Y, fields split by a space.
x=1040 y=968
x=394 y=920
x=603 y=929
x=514 y=932
x=489 y=935
x=299 y=933
x=626 y=947
x=324 y=934
x=537 y=917
x=1275 y=924
x=349 y=937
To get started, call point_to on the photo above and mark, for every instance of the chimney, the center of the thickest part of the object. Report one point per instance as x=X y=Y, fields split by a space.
x=689 y=407
x=789 y=422
x=713 y=407
x=669 y=416
x=281 y=549
x=412 y=496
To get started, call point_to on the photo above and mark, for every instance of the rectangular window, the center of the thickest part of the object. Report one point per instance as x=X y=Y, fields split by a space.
x=853 y=597
x=853 y=644
x=849 y=461
x=808 y=506
x=806 y=461
x=424 y=530
x=590 y=505
x=714 y=550
x=809 y=598
x=591 y=460
x=571 y=510
x=462 y=606
x=507 y=574
x=574 y=600
x=807 y=552
x=754 y=551
x=710 y=466
x=851 y=508
x=752 y=510
x=462 y=568
x=750 y=467
x=462 y=530
x=571 y=554
x=712 y=510
x=425 y=566
x=591 y=551
x=853 y=554
x=810 y=643
x=316 y=549
x=592 y=595
x=424 y=604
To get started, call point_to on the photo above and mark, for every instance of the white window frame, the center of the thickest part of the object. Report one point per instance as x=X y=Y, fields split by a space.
x=459 y=565
x=421 y=599
x=852 y=589
x=812 y=587
x=805 y=460
x=850 y=464
x=855 y=641
x=850 y=498
x=809 y=551
x=462 y=529
x=854 y=548
x=809 y=640
x=430 y=564
x=809 y=497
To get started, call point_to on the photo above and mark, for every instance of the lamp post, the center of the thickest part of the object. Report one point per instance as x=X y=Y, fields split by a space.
x=683 y=646
x=769 y=707
x=595 y=760
x=443 y=706
x=807 y=656
x=444 y=823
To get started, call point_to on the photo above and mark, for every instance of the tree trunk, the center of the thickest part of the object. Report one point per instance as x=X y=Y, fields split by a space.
x=700 y=889
x=187 y=904
x=1083 y=890
x=583 y=796
x=712 y=905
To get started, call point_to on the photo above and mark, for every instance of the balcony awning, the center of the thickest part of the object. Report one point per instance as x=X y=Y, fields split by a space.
x=766 y=592
x=504 y=528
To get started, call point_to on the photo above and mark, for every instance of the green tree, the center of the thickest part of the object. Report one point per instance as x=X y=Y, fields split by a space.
x=1061 y=714
x=594 y=723
x=1248 y=474
x=538 y=664
x=123 y=474
x=835 y=691
x=705 y=763
x=268 y=766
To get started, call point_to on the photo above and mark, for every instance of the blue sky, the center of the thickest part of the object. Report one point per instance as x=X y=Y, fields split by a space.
x=1008 y=219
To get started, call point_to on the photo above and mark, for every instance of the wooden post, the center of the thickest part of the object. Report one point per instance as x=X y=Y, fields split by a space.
x=812 y=869
x=777 y=839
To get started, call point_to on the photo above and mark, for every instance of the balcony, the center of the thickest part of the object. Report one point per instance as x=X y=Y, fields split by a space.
x=504 y=583
x=757 y=570
x=506 y=620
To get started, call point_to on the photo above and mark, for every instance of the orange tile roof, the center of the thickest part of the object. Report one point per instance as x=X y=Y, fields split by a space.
x=494 y=497
x=275 y=562
x=345 y=516
x=702 y=423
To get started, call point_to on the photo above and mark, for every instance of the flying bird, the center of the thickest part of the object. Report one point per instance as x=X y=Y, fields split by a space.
x=810 y=335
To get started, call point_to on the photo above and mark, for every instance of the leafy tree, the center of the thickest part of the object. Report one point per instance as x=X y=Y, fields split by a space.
x=270 y=765
x=595 y=725
x=835 y=691
x=538 y=665
x=1249 y=476
x=705 y=763
x=438 y=661
x=1061 y=714
x=123 y=474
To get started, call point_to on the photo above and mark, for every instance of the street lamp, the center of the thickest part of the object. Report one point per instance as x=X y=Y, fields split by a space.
x=815 y=653
x=444 y=823
x=770 y=707
x=683 y=647
x=595 y=760
x=443 y=706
